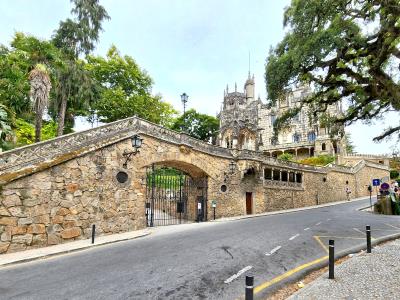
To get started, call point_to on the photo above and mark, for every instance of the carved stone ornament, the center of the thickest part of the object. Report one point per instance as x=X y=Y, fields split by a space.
x=235 y=152
x=185 y=149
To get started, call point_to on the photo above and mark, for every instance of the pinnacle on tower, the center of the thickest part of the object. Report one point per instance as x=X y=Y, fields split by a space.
x=235 y=87
x=227 y=89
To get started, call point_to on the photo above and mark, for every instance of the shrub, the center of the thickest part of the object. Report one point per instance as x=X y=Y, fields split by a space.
x=286 y=157
x=394 y=174
x=320 y=160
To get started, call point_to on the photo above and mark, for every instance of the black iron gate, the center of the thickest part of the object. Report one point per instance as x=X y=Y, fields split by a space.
x=166 y=196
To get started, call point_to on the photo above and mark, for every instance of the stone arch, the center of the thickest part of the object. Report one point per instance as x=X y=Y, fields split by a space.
x=247 y=139
x=189 y=168
x=161 y=207
x=227 y=138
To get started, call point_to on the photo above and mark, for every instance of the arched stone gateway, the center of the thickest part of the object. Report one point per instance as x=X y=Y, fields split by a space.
x=174 y=196
x=52 y=192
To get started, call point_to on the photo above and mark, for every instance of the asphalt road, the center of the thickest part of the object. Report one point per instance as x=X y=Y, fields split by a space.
x=195 y=261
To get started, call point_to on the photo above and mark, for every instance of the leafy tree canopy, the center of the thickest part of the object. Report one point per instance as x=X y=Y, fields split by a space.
x=344 y=49
x=124 y=90
x=81 y=34
x=197 y=125
x=15 y=65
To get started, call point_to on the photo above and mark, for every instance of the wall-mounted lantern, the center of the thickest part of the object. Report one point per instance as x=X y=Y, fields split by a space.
x=136 y=141
x=232 y=169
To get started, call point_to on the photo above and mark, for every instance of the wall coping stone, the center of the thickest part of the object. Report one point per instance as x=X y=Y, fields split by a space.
x=29 y=159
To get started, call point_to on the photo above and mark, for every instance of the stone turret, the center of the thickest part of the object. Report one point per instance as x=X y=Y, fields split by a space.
x=249 y=88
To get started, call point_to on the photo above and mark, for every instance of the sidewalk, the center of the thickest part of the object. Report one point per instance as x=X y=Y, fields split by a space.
x=277 y=212
x=29 y=255
x=364 y=276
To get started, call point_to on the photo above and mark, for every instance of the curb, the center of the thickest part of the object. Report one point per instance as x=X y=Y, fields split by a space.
x=301 y=274
x=285 y=211
x=44 y=256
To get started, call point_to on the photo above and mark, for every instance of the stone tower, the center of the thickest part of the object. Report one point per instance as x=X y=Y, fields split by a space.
x=249 y=88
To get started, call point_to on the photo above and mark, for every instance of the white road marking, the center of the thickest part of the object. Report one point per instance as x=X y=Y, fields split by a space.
x=318 y=223
x=308 y=228
x=358 y=230
x=293 y=237
x=273 y=251
x=233 y=277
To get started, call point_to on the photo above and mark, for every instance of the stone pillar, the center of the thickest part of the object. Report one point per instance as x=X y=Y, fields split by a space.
x=280 y=175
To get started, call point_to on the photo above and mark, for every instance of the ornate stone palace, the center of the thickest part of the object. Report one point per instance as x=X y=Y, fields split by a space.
x=247 y=123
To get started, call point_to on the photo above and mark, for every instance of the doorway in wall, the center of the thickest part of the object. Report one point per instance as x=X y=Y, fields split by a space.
x=249 y=203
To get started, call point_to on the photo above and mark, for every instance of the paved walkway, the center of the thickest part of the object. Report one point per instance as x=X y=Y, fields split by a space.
x=364 y=276
x=29 y=255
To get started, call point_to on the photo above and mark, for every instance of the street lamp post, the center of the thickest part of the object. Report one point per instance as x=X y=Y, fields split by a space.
x=184 y=99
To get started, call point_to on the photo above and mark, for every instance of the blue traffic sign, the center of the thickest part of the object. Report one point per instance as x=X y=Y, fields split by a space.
x=376 y=182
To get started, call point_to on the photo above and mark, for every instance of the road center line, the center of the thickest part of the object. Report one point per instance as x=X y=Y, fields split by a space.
x=233 y=277
x=392 y=226
x=293 y=237
x=273 y=251
x=318 y=223
x=308 y=228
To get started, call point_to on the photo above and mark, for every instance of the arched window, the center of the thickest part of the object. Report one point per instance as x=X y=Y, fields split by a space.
x=296 y=138
x=311 y=136
x=273 y=120
x=323 y=146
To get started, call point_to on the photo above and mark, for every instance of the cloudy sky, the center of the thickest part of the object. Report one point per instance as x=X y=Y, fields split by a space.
x=192 y=46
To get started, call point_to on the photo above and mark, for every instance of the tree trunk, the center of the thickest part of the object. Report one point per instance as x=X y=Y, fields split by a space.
x=38 y=126
x=61 y=116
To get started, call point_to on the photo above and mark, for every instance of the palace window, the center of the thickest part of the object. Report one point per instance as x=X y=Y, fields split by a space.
x=275 y=175
x=291 y=177
x=273 y=120
x=323 y=146
x=296 y=138
x=268 y=174
x=284 y=175
x=299 y=178
x=311 y=136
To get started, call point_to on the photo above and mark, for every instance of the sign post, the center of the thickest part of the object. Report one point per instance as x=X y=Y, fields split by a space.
x=214 y=205
x=370 y=196
x=376 y=183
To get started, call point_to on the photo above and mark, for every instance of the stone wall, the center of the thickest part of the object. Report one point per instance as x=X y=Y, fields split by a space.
x=54 y=196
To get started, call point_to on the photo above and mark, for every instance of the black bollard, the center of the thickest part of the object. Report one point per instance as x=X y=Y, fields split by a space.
x=331 y=259
x=93 y=232
x=249 y=288
x=368 y=231
x=214 y=213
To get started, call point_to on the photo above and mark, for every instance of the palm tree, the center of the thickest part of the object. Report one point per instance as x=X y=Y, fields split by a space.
x=7 y=121
x=40 y=88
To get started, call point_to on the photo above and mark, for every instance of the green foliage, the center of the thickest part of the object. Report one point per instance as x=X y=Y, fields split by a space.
x=25 y=132
x=320 y=160
x=349 y=144
x=124 y=90
x=328 y=48
x=197 y=125
x=286 y=157
x=394 y=174
x=81 y=34
x=7 y=121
